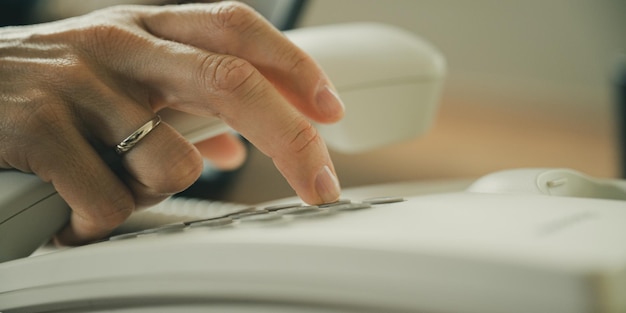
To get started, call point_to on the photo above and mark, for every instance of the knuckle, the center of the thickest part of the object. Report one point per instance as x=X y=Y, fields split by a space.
x=107 y=34
x=226 y=74
x=231 y=15
x=300 y=62
x=105 y=41
x=303 y=136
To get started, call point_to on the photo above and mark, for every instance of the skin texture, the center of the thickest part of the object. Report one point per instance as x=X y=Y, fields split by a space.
x=72 y=89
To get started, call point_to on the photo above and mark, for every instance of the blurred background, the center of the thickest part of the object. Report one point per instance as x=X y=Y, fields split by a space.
x=530 y=83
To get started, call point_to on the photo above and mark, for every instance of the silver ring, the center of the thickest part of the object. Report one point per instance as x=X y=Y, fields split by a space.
x=137 y=135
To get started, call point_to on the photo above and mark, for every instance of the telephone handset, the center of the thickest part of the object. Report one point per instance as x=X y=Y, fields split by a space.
x=389 y=81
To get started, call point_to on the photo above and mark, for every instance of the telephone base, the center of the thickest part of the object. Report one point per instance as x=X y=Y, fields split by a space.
x=446 y=252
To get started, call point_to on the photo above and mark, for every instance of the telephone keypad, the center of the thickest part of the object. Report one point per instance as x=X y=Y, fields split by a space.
x=336 y=203
x=277 y=207
x=239 y=215
x=297 y=210
x=269 y=215
x=350 y=206
x=211 y=222
x=310 y=212
x=261 y=218
x=170 y=228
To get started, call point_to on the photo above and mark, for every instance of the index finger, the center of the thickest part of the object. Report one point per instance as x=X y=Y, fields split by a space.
x=249 y=103
x=241 y=96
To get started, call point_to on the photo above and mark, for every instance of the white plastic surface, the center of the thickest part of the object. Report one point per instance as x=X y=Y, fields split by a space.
x=30 y=213
x=452 y=252
x=555 y=182
x=256 y=307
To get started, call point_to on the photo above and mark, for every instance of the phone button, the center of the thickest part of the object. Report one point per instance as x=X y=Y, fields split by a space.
x=211 y=223
x=383 y=200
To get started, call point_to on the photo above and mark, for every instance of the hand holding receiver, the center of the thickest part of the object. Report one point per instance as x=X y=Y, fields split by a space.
x=31 y=210
x=552 y=182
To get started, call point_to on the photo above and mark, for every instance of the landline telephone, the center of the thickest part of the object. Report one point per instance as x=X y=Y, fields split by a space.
x=529 y=240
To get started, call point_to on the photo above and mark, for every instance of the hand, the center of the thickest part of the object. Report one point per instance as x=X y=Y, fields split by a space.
x=73 y=89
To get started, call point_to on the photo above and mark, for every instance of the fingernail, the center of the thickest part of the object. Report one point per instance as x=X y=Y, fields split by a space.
x=327 y=185
x=328 y=101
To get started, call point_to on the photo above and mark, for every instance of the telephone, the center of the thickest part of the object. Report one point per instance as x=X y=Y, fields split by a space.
x=418 y=248
x=528 y=240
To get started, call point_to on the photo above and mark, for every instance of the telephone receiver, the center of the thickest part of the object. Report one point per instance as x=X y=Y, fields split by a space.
x=389 y=80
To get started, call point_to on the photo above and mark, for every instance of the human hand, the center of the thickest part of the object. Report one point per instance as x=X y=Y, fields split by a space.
x=73 y=89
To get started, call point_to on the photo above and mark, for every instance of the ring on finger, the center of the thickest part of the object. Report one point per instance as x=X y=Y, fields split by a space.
x=137 y=135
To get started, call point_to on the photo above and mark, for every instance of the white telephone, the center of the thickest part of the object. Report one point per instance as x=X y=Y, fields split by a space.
x=517 y=241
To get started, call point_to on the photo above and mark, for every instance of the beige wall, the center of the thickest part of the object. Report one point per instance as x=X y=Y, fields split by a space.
x=528 y=86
